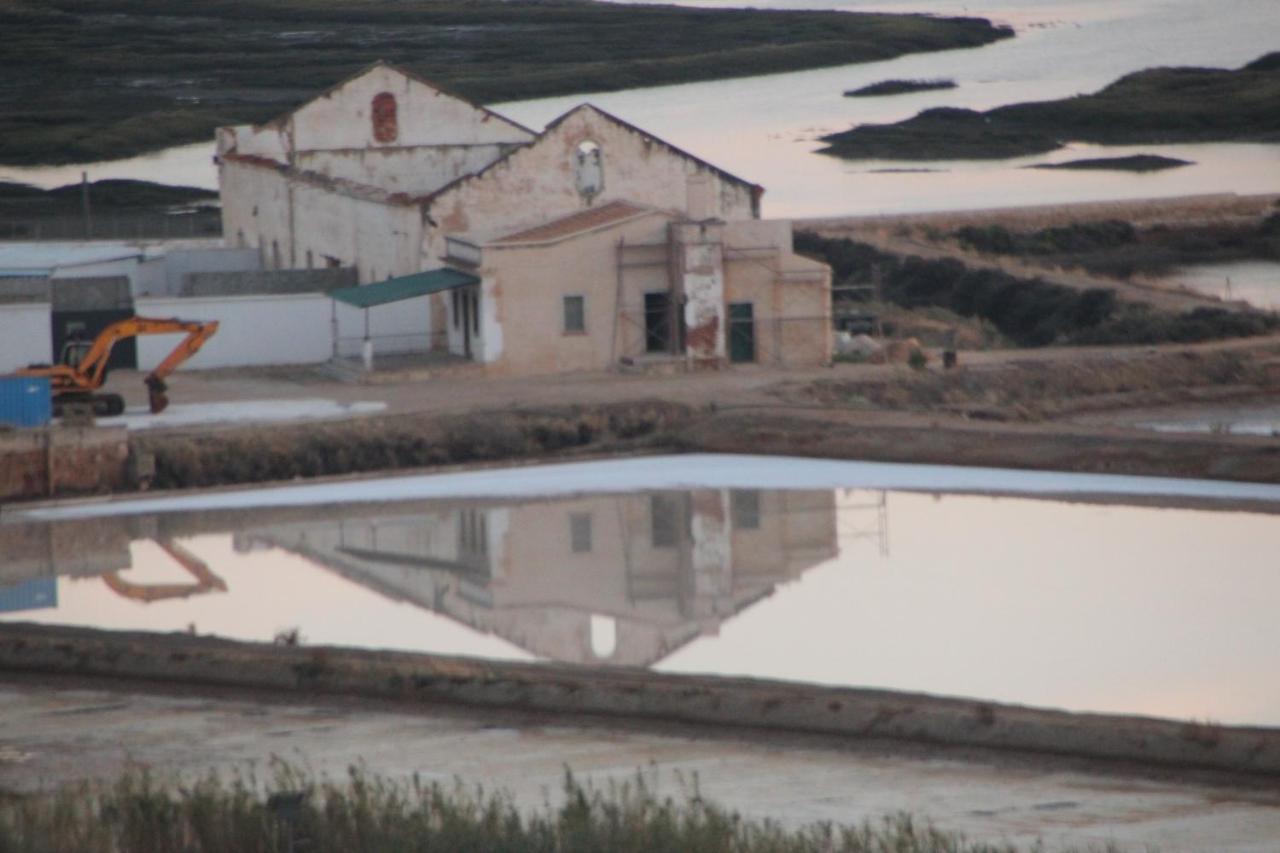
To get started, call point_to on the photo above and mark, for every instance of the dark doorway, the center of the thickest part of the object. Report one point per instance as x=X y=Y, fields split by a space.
x=742 y=332
x=657 y=322
x=85 y=326
x=469 y=321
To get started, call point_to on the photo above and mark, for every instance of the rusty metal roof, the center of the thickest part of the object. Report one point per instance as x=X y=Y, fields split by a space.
x=576 y=223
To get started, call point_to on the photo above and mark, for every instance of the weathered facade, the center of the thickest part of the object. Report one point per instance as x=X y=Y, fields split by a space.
x=388 y=174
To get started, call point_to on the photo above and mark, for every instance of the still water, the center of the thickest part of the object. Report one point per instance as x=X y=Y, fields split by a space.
x=1254 y=282
x=765 y=128
x=1084 y=603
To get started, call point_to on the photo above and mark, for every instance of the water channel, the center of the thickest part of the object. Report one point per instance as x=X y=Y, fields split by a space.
x=765 y=128
x=1084 y=592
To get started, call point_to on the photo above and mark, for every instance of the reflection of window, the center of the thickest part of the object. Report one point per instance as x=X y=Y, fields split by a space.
x=580 y=532
x=664 y=514
x=588 y=170
x=744 y=506
x=473 y=538
x=575 y=319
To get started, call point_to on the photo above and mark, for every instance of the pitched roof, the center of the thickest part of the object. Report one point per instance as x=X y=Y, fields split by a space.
x=644 y=134
x=576 y=223
x=417 y=78
x=649 y=137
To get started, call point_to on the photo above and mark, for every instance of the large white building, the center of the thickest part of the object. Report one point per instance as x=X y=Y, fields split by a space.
x=590 y=243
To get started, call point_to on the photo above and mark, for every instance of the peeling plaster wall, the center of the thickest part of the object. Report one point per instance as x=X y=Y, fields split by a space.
x=524 y=289
x=380 y=240
x=698 y=254
x=711 y=555
x=255 y=208
x=342 y=117
x=417 y=170
x=541 y=179
x=271 y=211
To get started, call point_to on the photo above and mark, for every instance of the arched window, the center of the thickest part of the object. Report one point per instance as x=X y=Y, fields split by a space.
x=386 y=126
x=588 y=170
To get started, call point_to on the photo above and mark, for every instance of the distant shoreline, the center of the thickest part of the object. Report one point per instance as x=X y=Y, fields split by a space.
x=82 y=87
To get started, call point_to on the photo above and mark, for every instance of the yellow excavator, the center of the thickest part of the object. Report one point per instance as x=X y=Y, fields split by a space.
x=82 y=367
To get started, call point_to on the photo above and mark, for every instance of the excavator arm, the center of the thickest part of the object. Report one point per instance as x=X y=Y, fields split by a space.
x=206 y=580
x=87 y=375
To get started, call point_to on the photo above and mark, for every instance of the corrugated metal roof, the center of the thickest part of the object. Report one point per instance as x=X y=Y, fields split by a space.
x=575 y=223
x=404 y=287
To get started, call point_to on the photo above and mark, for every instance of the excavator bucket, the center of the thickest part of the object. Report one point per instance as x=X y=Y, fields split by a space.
x=156 y=395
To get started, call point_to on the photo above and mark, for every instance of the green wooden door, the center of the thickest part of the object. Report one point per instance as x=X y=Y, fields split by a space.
x=742 y=332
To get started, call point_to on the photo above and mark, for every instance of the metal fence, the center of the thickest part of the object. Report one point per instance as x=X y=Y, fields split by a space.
x=113 y=226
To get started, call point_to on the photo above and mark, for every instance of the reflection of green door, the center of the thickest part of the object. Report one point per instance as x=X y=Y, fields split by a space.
x=742 y=332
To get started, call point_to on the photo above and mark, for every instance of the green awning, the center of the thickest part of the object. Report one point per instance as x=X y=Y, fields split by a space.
x=404 y=287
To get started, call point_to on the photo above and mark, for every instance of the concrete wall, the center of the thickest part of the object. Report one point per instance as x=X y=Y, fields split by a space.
x=397 y=327
x=252 y=330
x=636 y=167
x=265 y=282
x=180 y=263
x=791 y=294
x=25 y=335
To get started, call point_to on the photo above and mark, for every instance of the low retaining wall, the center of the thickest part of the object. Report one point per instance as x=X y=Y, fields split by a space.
x=63 y=461
x=634 y=694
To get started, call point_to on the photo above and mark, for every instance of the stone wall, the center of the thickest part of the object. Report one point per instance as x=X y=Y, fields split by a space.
x=104 y=293
x=63 y=461
x=18 y=290
x=265 y=282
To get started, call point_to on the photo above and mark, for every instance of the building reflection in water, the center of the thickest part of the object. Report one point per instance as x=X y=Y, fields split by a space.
x=607 y=579
x=617 y=579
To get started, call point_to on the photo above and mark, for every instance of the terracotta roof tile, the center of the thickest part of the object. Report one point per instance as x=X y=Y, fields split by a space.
x=574 y=223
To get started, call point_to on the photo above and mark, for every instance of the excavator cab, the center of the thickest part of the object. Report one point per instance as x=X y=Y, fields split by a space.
x=74 y=351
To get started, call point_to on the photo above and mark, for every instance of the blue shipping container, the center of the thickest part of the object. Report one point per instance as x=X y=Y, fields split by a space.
x=25 y=401
x=35 y=594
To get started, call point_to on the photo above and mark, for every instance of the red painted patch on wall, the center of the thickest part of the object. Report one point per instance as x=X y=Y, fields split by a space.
x=386 y=125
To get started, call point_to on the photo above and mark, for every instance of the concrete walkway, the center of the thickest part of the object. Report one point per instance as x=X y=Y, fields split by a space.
x=54 y=731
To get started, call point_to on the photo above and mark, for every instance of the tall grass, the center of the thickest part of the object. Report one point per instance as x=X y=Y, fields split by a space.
x=366 y=813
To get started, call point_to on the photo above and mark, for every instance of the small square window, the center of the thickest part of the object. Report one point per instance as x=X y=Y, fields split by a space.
x=580 y=532
x=575 y=319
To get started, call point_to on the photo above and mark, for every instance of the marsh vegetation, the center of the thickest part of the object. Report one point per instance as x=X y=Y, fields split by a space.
x=899 y=87
x=1030 y=312
x=365 y=812
x=1159 y=105
x=102 y=79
